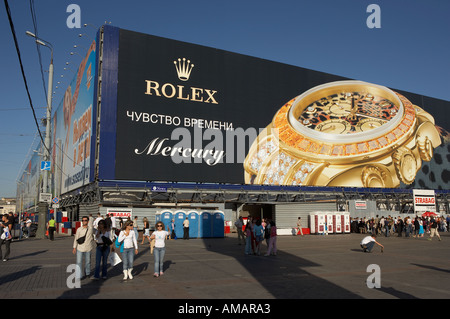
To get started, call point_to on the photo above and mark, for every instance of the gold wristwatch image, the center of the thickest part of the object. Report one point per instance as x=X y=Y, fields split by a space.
x=344 y=133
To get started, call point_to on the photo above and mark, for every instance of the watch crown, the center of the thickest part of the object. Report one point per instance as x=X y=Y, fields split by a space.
x=405 y=165
x=373 y=176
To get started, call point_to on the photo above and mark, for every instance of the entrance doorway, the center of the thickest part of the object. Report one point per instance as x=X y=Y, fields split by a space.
x=257 y=211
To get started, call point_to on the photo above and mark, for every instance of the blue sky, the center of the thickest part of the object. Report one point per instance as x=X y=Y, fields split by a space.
x=411 y=50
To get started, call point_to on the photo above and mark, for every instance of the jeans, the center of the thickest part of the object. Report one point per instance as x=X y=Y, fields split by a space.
x=408 y=230
x=272 y=245
x=101 y=256
x=369 y=246
x=87 y=262
x=128 y=258
x=248 y=245
x=159 y=258
x=7 y=243
x=386 y=231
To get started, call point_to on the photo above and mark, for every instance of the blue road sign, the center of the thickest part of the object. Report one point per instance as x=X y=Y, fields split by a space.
x=45 y=165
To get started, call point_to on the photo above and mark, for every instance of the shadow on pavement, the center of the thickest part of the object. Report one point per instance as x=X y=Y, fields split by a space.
x=15 y=276
x=282 y=276
x=91 y=287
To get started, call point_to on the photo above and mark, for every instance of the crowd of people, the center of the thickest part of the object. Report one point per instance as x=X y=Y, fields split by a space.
x=105 y=235
x=409 y=227
x=254 y=232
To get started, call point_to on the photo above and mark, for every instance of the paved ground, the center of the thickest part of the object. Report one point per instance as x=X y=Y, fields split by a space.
x=306 y=267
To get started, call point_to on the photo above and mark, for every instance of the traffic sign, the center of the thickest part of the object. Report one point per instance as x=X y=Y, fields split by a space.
x=55 y=200
x=45 y=165
x=45 y=197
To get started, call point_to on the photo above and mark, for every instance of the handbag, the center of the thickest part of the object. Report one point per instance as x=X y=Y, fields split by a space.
x=81 y=240
x=106 y=241
x=114 y=259
x=152 y=245
x=119 y=244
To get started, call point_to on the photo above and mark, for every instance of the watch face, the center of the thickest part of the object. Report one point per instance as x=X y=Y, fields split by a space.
x=348 y=113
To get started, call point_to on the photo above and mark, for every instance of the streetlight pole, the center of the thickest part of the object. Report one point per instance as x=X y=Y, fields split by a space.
x=49 y=106
x=43 y=206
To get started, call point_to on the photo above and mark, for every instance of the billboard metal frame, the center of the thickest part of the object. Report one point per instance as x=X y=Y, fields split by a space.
x=148 y=193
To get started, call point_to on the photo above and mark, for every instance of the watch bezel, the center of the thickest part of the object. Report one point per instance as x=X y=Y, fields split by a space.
x=302 y=101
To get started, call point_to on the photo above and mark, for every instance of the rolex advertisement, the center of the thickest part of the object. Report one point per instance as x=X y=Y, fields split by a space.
x=189 y=113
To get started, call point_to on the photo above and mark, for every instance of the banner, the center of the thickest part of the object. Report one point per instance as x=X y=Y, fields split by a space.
x=187 y=113
x=424 y=200
x=72 y=129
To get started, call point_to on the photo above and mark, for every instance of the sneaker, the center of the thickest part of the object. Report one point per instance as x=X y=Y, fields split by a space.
x=161 y=273
x=155 y=275
x=95 y=278
x=5 y=259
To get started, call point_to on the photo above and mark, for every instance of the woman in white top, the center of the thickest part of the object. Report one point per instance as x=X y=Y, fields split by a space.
x=159 y=235
x=130 y=248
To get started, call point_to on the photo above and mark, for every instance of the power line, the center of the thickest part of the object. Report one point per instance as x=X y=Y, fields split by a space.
x=11 y=24
x=38 y=46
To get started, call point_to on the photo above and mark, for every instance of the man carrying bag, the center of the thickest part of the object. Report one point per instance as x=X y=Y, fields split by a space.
x=82 y=247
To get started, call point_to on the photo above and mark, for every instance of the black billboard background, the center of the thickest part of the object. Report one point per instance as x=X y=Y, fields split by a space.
x=249 y=93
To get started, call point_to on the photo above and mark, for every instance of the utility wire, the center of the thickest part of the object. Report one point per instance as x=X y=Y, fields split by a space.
x=38 y=46
x=13 y=32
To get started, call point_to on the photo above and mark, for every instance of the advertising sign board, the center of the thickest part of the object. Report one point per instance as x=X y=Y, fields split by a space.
x=72 y=128
x=188 y=113
x=424 y=200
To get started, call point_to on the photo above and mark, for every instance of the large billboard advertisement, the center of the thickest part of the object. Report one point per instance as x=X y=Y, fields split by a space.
x=188 y=113
x=72 y=129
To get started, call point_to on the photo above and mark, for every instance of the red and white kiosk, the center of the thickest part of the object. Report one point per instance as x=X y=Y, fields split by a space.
x=330 y=223
x=324 y=223
x=337 y=220
x=317 y=222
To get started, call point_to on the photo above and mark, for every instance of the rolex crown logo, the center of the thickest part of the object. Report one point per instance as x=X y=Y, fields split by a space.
x=184 y=68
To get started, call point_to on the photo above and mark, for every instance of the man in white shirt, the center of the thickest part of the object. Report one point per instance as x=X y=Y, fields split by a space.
x=186 y=228
x=368 y=242
x=28 y=226
x=113 y=226
x=99 y=217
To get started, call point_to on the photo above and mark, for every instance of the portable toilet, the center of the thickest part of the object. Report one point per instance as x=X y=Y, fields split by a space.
x=337 y=219
x=205 y=227
x=218 y=224
x=179 y=217
x=193 y=224
x=165 y=217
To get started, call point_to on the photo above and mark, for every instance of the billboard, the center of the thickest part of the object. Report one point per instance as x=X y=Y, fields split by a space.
x=187 y=113
x=72 y=131
x=424 y=200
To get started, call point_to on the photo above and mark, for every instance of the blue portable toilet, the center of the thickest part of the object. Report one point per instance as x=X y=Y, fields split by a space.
x=193 y=224
x=179 y=217
x=218 y=224
x=205 y=227
x=165 y=217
